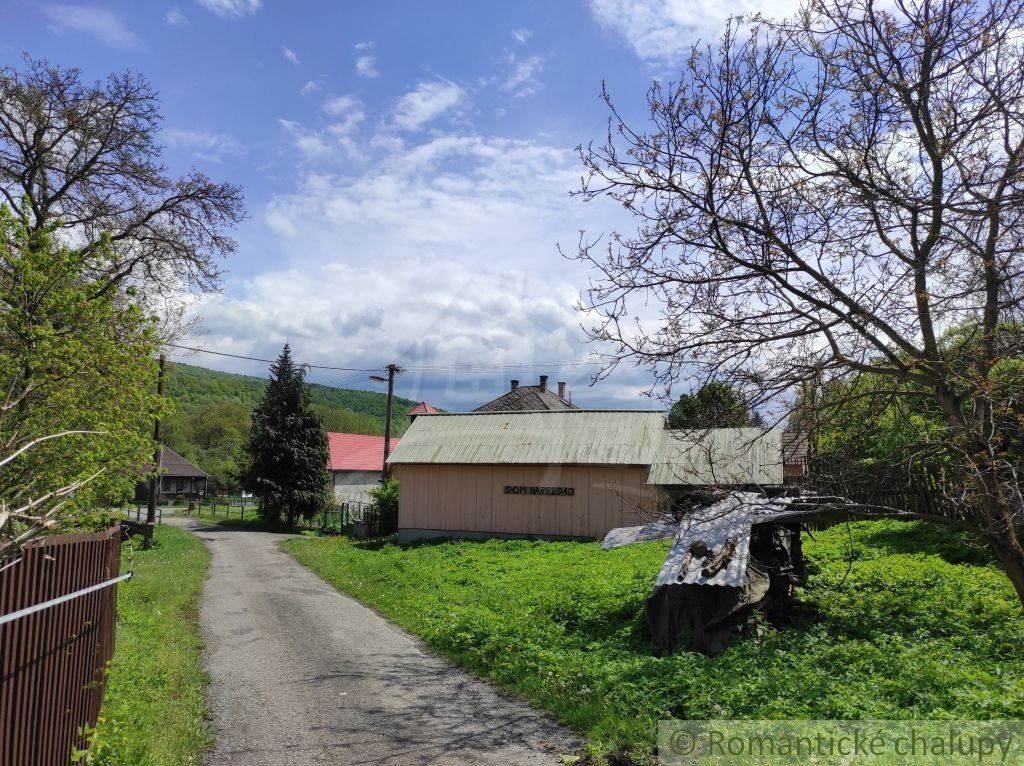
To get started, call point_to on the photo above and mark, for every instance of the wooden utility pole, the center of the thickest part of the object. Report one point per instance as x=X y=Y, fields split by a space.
x=155 y=478
x=393 y=369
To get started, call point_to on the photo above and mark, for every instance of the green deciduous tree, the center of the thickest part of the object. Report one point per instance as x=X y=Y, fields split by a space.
x=286 y=454
x=213 y=436
x=78 y=382
x=715 y=405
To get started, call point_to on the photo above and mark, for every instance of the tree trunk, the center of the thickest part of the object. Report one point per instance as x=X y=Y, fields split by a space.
x=1001 y=517
x=1012 y=562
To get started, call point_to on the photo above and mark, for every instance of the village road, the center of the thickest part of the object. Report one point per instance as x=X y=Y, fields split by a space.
x=301 y=674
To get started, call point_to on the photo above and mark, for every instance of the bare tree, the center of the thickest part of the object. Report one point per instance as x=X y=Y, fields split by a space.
x=87 y=155
x=834 y=196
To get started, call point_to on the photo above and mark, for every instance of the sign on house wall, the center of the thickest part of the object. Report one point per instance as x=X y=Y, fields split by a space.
x=519 y=490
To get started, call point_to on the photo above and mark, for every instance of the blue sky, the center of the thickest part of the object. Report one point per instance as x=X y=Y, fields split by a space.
x=407 y=168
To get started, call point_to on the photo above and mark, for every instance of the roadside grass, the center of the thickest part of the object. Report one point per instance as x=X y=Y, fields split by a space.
x=154 y=711
x=925 y=625
x=251 y=520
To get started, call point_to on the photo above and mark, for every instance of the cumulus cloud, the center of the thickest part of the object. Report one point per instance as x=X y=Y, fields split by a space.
x=289 y=55
x=102 y=24
x=203 y=145
x=521 y=35
x=427 y=102
x=231 y=9
x=440 y=254
x=663 y=30
x=176 y=18
x=311 y=86
x=366 y=66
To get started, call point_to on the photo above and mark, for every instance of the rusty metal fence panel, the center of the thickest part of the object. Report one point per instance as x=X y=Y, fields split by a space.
x=54 y=660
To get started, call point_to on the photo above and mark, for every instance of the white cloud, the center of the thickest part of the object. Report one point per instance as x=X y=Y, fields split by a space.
x=231 y=9
x=335 y=105
x=427 y=102
x=664 y=30
x=524 y=77
x=308 y=142
x=213 y=147
x=176 y=18
x=436 y=254
x=521 y=35
x=102 y=24
x=366 y=66
x=312 y=86
x=289 y=55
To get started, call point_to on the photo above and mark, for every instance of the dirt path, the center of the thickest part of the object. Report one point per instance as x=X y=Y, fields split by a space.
x=301 y=674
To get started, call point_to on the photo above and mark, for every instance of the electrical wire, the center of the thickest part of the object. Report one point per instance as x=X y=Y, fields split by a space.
x=481 y=367
x=269 y=361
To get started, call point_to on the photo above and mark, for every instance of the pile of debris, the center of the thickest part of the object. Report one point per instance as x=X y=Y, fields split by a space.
x=731 y=553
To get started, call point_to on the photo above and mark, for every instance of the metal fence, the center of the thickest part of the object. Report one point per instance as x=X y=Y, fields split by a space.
x=360 y=519
x=54 y=660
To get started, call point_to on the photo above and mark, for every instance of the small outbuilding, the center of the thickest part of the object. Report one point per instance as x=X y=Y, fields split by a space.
x=355 y=462
x=563 y=473
x=177 y=479
x=421 y=409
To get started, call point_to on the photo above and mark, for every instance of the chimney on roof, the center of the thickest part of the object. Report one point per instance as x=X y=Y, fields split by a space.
x=515 y=384
x=543 y=382
x=561 y=389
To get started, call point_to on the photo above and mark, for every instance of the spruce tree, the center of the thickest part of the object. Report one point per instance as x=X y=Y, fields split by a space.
x=286 y=454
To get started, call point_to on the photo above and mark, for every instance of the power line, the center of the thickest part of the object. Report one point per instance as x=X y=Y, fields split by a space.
x=269 y=361
x=425 y=368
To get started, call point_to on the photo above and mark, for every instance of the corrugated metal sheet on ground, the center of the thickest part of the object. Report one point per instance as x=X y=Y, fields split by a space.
x=719 y=457
x=732 y=517
x=656 y=530
x=566 y=437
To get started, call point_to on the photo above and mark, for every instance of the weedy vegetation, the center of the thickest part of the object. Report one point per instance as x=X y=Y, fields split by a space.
x=153 y=710
x=923 y=624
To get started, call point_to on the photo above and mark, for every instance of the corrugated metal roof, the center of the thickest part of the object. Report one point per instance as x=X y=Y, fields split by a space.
x=564 y=437
x=719 y=457
x=732 y=517
x=356 y=452
x=656 y=530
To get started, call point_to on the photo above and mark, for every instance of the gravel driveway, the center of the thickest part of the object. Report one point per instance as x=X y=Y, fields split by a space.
x=301 y=674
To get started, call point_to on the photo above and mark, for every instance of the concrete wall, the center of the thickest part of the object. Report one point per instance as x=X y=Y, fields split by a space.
x=471 y=499
x=354 y=485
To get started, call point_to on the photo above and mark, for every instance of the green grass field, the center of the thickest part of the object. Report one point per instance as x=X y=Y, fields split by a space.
x=924 y=626
x=154 y=712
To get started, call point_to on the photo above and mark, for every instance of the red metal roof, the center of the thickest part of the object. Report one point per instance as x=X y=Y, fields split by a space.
x=356 y=452
x=422 y=409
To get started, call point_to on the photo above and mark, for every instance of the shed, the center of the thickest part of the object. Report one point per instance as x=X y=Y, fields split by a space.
x=177 y=478
x=355 y=462
x=562 y=473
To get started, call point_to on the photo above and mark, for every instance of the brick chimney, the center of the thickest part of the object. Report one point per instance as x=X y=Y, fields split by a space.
x=515 y=384
x=561 y=389
x=543 y=382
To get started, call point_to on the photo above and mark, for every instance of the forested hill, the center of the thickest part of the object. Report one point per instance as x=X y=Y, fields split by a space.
x=212 y=412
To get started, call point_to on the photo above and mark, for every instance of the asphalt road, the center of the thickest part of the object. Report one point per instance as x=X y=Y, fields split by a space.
x=301 y=674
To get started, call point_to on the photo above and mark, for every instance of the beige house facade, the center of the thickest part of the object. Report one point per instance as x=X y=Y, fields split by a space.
x=562 y=474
